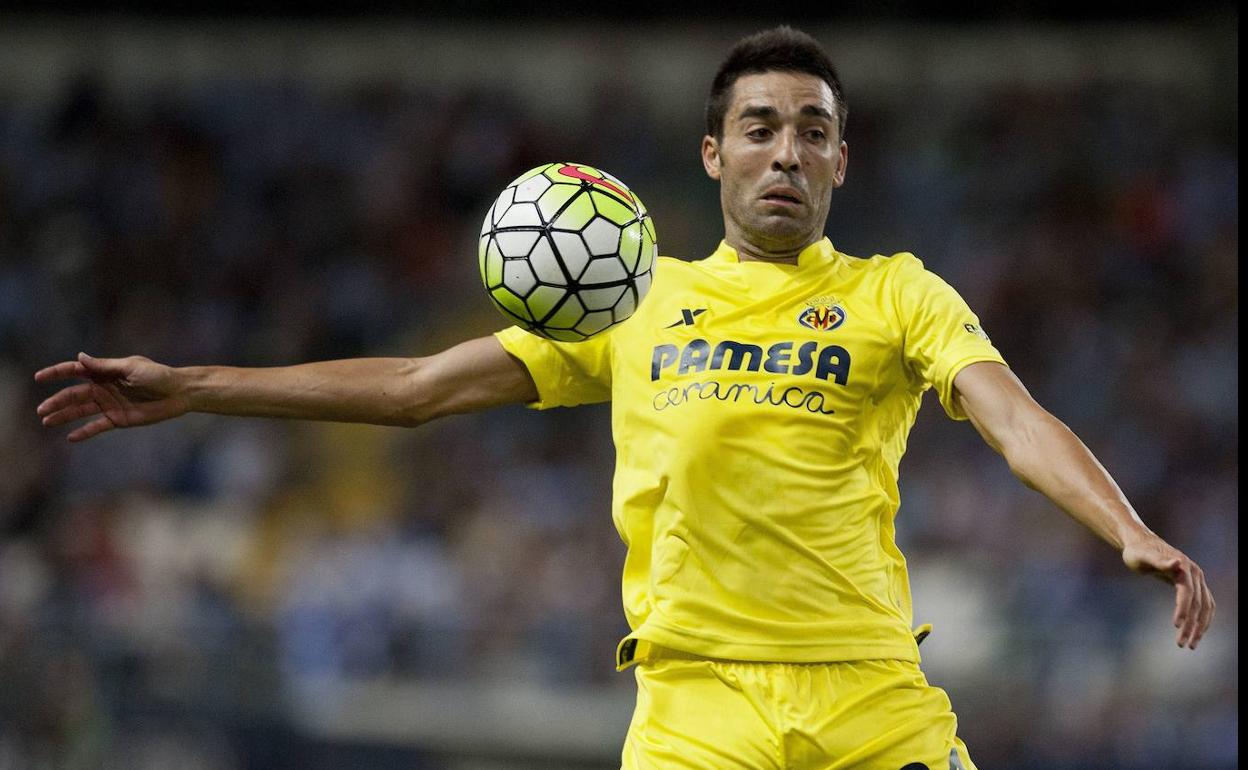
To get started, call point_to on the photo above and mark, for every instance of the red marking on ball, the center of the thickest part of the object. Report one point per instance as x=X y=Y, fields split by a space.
x=576 y=173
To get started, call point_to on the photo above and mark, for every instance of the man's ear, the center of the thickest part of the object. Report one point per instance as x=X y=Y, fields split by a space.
x=710 y=157
x=838 y=178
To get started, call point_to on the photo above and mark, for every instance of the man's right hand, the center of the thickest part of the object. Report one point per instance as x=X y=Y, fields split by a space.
x=124 y=392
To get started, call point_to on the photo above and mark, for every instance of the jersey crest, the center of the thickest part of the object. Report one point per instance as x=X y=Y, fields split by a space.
x=822 y=314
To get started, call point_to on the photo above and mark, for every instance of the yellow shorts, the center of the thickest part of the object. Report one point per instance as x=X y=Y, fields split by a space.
x=694 y=712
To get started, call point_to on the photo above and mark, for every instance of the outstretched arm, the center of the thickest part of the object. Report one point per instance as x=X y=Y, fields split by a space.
x=133 y=391
x=1049 y=458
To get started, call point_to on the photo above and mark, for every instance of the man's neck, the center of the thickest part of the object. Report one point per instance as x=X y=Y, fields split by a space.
x=748 y=252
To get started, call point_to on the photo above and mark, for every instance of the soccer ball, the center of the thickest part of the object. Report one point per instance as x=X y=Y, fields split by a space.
x=567 y=251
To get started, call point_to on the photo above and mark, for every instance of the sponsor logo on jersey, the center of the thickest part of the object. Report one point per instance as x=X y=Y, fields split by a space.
x=809 y=358
x=792 y=396
x=824 y=362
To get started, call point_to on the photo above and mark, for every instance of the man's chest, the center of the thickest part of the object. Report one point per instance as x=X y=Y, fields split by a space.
x=814 y=348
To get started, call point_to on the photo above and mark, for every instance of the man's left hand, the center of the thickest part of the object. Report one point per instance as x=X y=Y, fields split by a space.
x=1193 y=601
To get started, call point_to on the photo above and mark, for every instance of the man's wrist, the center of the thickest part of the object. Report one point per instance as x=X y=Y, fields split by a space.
x=1134 y=532
x=190 y=385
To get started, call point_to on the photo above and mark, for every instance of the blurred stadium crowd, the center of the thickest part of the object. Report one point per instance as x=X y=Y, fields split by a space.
x=166 y=594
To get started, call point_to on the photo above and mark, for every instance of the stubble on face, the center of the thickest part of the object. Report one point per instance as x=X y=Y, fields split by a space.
x=777 y=162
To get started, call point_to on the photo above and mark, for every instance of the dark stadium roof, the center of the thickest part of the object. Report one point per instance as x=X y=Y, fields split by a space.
x=526 y=10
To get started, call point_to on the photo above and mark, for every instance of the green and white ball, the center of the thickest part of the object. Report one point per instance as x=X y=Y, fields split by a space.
x=567 y=251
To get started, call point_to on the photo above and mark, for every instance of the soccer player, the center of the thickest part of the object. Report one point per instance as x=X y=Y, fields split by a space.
x=761 y=400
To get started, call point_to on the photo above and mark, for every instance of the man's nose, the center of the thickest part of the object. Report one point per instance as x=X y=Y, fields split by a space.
x=786 y=158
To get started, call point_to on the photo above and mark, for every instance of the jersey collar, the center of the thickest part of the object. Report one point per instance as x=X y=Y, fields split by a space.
x=821 y=252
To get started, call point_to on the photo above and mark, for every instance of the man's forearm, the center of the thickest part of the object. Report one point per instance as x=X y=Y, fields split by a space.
x=1050 y=458
x=382 y=391
x=133 y=391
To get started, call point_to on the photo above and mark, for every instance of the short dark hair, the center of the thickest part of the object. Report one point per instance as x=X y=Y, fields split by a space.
x=781 y=49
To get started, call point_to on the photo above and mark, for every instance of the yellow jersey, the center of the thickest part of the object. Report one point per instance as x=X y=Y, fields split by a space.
x=759 y=413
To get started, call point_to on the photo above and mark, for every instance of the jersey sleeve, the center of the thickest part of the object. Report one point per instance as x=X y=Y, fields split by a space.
x=941 y=334
x=566 y=373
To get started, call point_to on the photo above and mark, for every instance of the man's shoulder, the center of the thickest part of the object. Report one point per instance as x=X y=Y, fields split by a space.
x=672 y=271
x=666 y=261
x=880 y=271
x=900 y=260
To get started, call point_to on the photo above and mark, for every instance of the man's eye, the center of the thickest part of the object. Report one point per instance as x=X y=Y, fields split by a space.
x=759 y=133
x=816 y=134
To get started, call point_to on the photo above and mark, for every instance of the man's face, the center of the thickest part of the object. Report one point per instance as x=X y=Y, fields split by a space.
x=778 y=161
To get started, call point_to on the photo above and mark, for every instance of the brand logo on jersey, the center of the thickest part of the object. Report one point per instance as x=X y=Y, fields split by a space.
x=977 y=331
x=686 y=317
x=823 y=317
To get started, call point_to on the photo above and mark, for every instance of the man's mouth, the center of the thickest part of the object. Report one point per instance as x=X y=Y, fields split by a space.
x=783 y=196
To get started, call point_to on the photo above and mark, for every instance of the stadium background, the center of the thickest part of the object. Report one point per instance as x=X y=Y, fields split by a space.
x=218 y=593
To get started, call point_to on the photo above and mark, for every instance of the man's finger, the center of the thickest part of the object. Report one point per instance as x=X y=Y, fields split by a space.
x=1198 y=615
x=1183 y=593
x=1190 y=616
x=71 y=413
x=75 y=394
x=93 y=428
x=1205 y=615
x=1182 y=601
x=1211 y=609
x=107 y=368
x=62 y=371
x=1197 y=612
